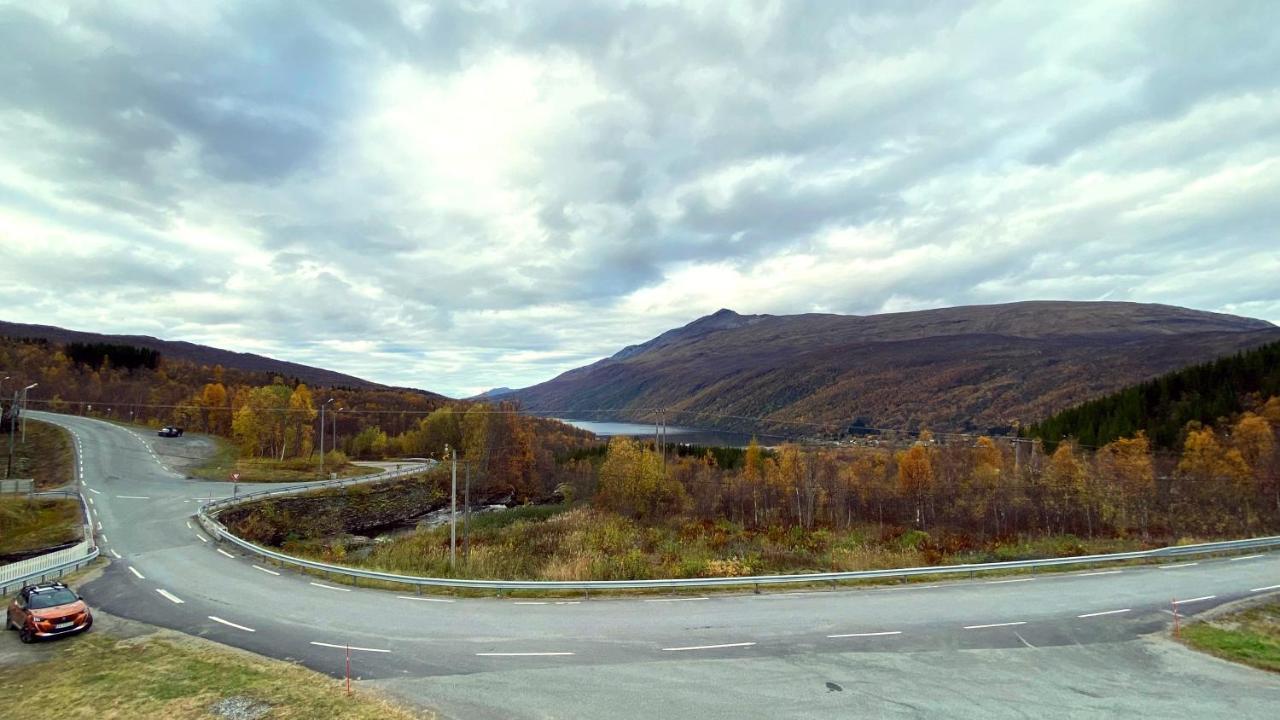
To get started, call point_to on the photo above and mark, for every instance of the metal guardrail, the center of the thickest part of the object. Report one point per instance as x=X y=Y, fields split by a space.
x=57 y=563
x=207 y=517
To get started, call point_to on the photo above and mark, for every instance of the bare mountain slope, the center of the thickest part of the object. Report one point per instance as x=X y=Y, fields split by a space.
x=961 y=368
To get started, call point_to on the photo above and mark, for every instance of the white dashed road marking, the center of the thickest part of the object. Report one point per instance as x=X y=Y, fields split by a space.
x=228 y=623
x=269 y=572
x=867 y=634
x=995 y=625
x=348 y=647
x=330 y=587
x=95 y=492
x=1195 y=599
x=1104 y=612
x=224 y=552
x=1179 y=565
x=424 y=599
x=1003 y=582
x=1100 y=572
x=708 y=647
x=169 y=596
x=115 y=554
x=523 y=654
x=132 y=497
x=1264 y=589
x=530 y=602
x=676 y=599
x=202 y=538
x=134 y=570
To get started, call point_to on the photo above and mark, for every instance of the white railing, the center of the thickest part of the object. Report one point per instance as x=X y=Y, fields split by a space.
x=52 y=564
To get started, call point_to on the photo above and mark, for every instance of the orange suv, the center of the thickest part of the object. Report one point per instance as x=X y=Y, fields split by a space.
x=47 y=610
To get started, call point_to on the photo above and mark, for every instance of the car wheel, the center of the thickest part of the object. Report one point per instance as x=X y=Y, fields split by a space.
x=8 y=623
x=26 y=636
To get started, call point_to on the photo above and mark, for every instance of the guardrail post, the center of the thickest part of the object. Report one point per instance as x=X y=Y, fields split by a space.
x=757 y=586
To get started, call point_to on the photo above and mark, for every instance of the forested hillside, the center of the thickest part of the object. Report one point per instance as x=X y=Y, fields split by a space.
x=1162 y=407
x=271 y=416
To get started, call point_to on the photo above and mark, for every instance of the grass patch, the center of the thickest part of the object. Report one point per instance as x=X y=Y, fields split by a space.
x=46 y=456
x=102 y=677
x=226 y=459
x=27 y=526
x=1250 y=636
x=558 y=542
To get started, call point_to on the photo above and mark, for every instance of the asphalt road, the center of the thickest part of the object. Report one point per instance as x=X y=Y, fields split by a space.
x=1061 y=645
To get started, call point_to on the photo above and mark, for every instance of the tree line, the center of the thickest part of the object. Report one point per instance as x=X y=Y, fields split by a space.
x=1164 y=407
x=1223 y=481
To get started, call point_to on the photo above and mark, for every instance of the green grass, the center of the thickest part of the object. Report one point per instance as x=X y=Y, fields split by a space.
x=46 y=456
x=226 y=459
x=30 y=525
x=1250 y=636
x=100 y=676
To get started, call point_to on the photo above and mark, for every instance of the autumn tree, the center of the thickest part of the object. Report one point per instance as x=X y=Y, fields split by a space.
x=632 y=482
x=1127 y=476
x=915 y=478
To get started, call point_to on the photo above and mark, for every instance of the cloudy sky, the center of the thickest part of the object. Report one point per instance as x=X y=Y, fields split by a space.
x=459 y=196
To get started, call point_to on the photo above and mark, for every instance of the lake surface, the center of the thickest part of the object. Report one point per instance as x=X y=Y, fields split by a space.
x=683 y=435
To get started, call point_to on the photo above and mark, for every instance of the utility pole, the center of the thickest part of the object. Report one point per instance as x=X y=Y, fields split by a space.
x=334 y=444
x=24 y=411
x=466 y=515
x=453 y=510
x=323 y=405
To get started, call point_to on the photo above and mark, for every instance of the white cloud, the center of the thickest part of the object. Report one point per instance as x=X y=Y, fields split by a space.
x=460 y=196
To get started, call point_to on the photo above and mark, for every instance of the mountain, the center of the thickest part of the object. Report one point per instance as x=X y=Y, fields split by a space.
x=492 y=393
x=191 y=352
x=962 y=368
x=1162 y=407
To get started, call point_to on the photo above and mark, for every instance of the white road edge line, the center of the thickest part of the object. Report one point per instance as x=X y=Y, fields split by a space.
x=228 y=623
x=1002 y=582
x=1269 y=587
x=1246 y=557
x=348 y=647
x=708 y=647
x=1104 y=612
x=867 y=634
x=1194 y=599
x=993 y=625
x=139 y=575
x=1100 y=572
x=523 y=654
x=269 y=572
x=676 y=599
x=169 y=596
x=424 y=599
x=330 y=587
x=224 y=552
x=1178 y=565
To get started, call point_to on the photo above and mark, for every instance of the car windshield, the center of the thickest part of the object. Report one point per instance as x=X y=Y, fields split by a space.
x=52 y=598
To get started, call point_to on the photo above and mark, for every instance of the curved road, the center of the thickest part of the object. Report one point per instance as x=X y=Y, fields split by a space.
x=1064 y=645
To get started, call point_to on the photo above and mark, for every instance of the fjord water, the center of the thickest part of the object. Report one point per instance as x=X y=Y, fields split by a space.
x=675 y=434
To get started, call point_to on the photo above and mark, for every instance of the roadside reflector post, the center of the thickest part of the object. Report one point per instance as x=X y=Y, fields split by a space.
x=348 y=669
x=1177 y=626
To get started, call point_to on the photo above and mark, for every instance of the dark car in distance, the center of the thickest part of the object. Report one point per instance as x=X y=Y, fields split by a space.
x=170 y=431
x=47 y=610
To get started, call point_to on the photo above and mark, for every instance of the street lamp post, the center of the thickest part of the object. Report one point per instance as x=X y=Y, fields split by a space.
x=8 y=469
x=24 y=411
x=323 y=405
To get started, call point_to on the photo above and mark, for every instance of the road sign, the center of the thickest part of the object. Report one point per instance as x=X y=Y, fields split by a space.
x=235 y=477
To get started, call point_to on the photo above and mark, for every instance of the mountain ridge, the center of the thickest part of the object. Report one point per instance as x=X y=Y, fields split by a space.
x=197 y=353
x=965 y=367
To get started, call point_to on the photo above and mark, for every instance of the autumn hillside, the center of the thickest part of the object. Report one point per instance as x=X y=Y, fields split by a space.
x=975 y=368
